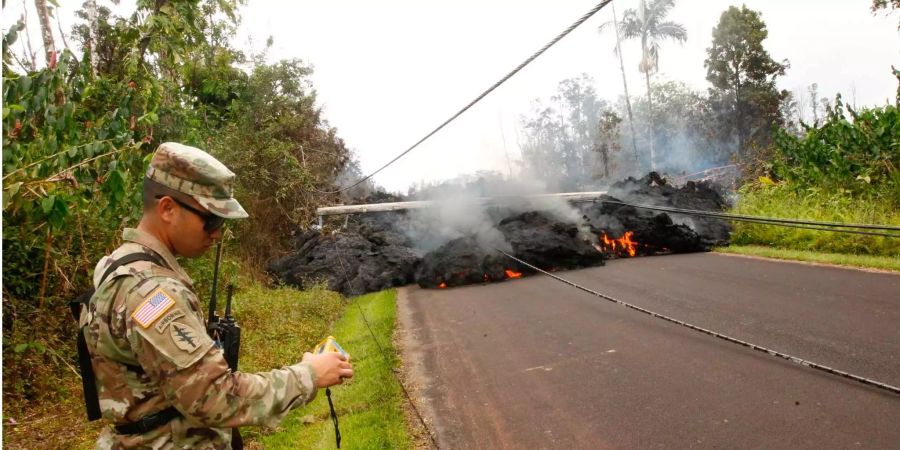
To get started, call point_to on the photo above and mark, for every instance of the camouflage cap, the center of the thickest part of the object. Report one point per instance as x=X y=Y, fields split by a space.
x=196 y=173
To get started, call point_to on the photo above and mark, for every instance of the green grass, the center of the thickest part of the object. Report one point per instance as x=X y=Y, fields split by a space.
x=840 y=259
x=278 y=325
x=370 y=406
x=818 y=205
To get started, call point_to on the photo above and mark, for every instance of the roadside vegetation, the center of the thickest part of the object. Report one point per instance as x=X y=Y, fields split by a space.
x=844 y=170
x=370 y=406
x=79 y=125
x=835 y=259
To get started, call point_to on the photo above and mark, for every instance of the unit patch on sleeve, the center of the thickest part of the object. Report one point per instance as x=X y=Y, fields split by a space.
x=185 y=338
x=154 y=305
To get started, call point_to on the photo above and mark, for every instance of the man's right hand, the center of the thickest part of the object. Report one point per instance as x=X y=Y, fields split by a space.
x=330 y=368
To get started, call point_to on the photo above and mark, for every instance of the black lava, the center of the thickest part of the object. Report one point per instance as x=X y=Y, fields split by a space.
x=375 y=251
x=352 y=263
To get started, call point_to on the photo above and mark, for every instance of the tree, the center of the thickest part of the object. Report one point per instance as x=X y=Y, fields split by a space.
x=560 y=139
x=885 y=4
x=888 y=5
x=608 y=141
x=814 y=102
x=686 y=134
x=285 y=152
x=648 y=24
x=743 y=74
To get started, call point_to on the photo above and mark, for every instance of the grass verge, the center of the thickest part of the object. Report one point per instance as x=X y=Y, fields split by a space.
x=839 y=259
x=369 y=407
x=816 y=204
x=278 y=325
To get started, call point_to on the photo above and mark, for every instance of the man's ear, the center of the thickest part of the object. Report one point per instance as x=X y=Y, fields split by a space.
x=165 y=209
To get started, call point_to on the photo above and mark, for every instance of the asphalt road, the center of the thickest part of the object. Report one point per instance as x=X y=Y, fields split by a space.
x=533 y=363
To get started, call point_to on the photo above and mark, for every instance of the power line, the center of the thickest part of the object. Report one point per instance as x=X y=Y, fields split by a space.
x=770 y=219
x=759 y=348
x=838 y=227
x=388 y=360
x=484 y=94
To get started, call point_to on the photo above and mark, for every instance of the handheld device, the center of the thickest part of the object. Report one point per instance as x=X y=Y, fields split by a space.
x=330 y=344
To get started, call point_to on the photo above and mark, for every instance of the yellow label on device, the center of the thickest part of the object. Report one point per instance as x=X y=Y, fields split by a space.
x=329 y=344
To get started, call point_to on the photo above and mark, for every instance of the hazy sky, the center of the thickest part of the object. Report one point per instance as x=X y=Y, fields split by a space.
x=389 y=71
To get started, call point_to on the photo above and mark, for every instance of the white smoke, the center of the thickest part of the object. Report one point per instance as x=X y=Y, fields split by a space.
x=473 y=206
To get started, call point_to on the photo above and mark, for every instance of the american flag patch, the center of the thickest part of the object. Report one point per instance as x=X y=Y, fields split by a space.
x=154 y=306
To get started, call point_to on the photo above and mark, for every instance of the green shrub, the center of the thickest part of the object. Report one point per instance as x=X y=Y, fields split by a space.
x=858 y=156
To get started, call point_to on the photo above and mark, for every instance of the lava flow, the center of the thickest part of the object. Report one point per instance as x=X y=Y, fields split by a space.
x=513 y=274
x=621 y=246
x=442 y=285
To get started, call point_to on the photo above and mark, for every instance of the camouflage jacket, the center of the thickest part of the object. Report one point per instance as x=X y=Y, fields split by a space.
x=149 y=349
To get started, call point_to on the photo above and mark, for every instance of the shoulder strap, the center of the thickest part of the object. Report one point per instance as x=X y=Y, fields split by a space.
x=83 y=299
x=128 y=259
x=88 y=380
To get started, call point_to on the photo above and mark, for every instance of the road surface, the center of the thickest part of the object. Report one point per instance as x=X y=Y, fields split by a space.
x=533 y=363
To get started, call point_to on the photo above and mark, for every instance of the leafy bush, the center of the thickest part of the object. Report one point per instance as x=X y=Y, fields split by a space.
x=858 y=156
x=846 y=170
x=283 y=153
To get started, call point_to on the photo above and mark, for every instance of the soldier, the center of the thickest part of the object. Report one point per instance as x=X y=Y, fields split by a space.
x=161 y=380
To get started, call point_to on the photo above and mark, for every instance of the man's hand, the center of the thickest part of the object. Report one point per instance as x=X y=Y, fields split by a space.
x=330 y=368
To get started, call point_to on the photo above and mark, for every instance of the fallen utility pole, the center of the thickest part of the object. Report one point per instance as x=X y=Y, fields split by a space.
x=422 y=204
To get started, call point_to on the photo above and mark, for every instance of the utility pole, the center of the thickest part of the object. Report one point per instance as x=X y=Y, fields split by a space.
x=625 y=84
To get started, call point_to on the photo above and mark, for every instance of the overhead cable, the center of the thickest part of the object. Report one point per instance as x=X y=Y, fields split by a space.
x=838 y=227
x=484 y=94
x=768 y=219
x=387 y=359
x=759 y=348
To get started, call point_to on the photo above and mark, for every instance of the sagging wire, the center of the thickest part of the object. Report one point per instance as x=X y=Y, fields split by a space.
x=484 y=94
x=387 y=360
x=838 y=227
x=759 y=348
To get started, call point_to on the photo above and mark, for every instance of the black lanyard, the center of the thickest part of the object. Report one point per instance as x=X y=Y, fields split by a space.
x=337 y=430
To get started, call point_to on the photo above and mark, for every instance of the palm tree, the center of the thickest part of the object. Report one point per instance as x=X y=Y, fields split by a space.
x=647 y=23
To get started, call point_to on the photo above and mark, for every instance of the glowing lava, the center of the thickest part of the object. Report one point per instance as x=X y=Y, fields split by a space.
x=442 y=285
x=621 y=246
x=513 y=274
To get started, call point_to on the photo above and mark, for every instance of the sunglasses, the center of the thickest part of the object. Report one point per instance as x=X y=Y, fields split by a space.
x=211 y=222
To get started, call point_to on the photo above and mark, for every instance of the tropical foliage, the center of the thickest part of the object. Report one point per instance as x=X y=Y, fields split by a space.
x=853 y=151
x=77 y=135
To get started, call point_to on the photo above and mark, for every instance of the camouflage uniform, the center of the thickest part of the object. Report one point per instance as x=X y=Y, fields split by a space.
x=147 y=360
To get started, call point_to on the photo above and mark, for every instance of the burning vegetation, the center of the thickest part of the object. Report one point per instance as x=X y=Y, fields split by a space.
x=382 y=250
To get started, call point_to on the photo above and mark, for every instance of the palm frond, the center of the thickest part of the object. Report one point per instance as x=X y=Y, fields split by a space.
x=605 y=26
x=630 y=26
x=670 y=30
x=659 y=9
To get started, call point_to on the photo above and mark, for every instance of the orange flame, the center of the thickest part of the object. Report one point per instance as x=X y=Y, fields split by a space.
x=442 y=285
x=621 y=245
x=513 y=274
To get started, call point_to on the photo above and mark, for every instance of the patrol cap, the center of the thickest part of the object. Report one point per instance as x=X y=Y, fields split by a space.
x=196 y=173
